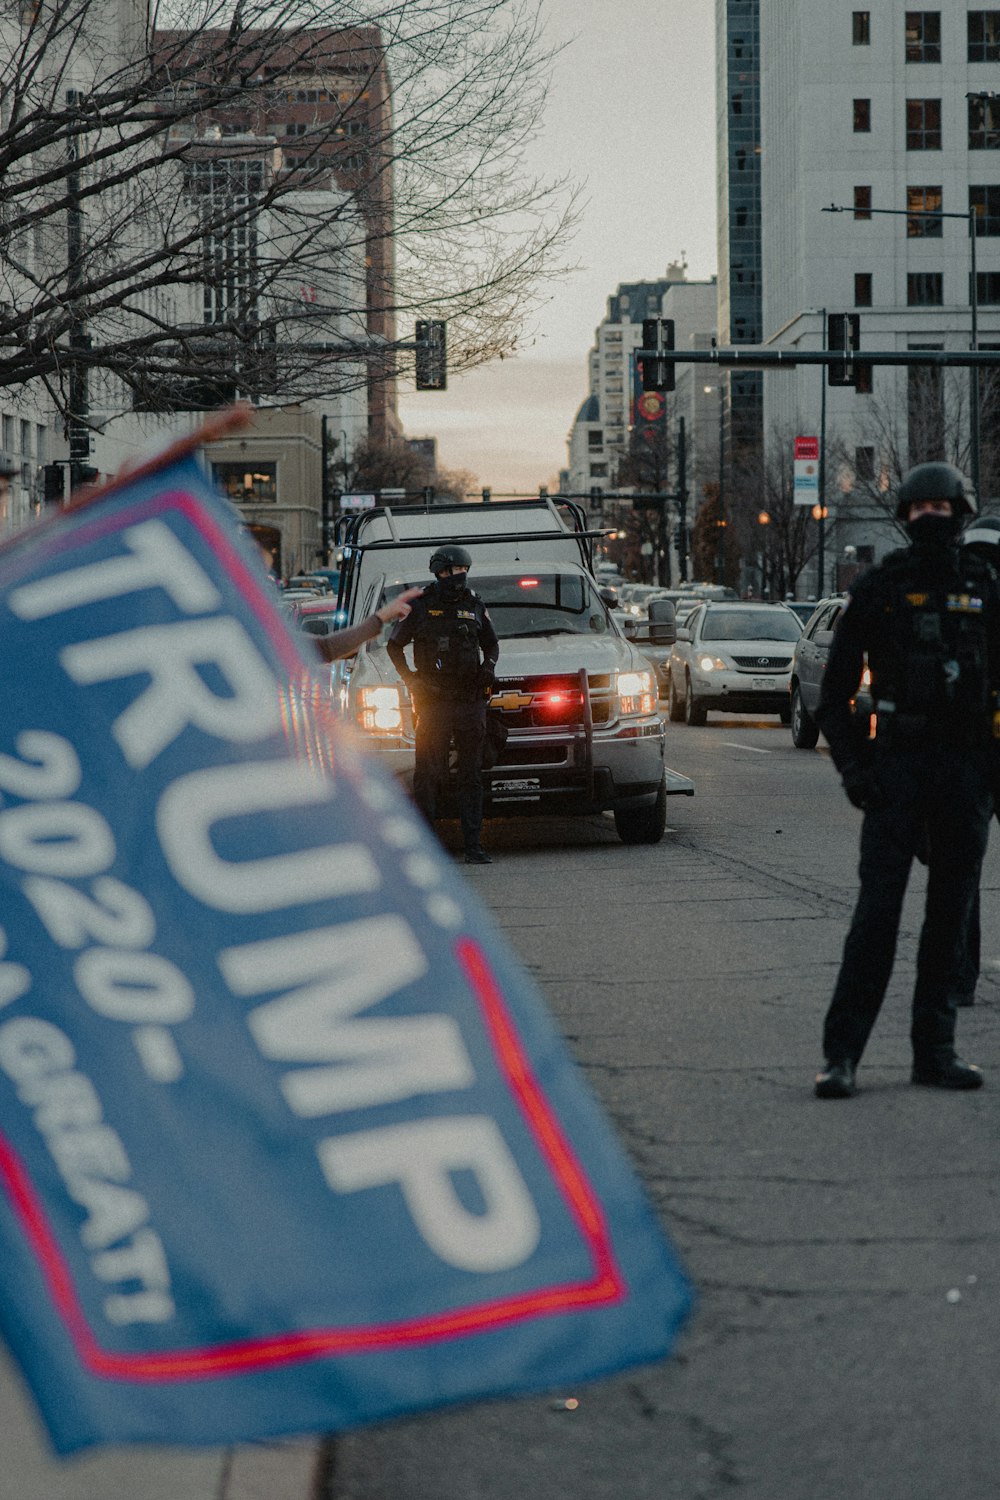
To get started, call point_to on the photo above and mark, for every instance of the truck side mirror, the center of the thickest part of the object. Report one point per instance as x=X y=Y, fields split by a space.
x=662 y=622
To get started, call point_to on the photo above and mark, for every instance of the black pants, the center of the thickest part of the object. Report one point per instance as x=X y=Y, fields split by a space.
x=938 y=798
x=442 y=722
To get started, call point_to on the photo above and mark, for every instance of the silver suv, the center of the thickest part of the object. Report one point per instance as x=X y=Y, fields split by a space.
x=733 y=657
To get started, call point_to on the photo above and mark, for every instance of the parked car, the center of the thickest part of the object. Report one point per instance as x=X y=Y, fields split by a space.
x=804 y=608
x=808 y=665
x=732 y=657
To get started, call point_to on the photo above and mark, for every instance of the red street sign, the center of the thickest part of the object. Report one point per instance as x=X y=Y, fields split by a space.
x=807 y=447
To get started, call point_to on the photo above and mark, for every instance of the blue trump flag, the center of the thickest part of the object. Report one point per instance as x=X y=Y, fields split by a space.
x=287 y=1141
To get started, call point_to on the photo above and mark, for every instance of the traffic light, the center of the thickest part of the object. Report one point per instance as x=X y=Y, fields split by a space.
x=657 y=374
x=53 y=484
x=843 y=331
x=80 y=474
x=487 y=494
x=432 y=355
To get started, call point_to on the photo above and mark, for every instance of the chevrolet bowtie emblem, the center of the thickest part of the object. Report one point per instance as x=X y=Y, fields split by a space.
x=511 y=701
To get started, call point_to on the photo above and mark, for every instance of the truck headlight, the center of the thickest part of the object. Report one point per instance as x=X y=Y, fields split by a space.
x=713 y=664
x=380 y=710
x=635 y=693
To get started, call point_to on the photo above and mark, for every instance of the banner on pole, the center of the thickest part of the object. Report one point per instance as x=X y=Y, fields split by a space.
x=805 y=484
x=288 y=1142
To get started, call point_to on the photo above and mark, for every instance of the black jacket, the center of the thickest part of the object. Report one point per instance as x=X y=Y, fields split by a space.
x=452 y=637
x=928 y=620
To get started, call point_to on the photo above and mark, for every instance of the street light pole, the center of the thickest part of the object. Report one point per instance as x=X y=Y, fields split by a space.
x=720 y=551
x=970 y=218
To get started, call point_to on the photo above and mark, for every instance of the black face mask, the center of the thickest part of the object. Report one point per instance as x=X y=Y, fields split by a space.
x=452 y=587
x=933 y=531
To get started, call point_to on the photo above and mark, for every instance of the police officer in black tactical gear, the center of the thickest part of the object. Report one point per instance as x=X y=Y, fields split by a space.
x=928 y=617
x=981 y=536
x=455 y=650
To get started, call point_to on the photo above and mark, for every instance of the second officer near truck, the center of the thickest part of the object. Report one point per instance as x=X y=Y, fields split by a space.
x=455 y=650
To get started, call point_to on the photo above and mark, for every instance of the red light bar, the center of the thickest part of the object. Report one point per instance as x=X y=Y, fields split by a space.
x=527 y=583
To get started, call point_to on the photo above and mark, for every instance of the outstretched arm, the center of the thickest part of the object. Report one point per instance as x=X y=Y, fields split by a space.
x=345 y=642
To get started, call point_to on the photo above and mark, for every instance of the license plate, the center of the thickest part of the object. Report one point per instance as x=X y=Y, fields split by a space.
x=526 y=784
x=764 y=684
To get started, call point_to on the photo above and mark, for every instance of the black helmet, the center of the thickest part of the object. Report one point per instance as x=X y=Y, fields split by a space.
x=935 y=482
x=449 y=556
x=983 y=533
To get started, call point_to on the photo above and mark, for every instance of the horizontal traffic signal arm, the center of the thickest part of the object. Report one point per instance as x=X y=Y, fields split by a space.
x=755 y=358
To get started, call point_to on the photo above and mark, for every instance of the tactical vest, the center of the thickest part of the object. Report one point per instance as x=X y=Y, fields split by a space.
x=446 y=644
x=934 y=666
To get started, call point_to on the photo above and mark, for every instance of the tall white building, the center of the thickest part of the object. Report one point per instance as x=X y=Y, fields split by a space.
x=881 y=113
x=599 y=437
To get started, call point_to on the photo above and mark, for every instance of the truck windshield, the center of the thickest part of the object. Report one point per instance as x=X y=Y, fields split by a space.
x=532 y=603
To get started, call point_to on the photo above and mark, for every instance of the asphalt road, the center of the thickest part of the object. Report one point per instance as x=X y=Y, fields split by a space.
x=845 y=1253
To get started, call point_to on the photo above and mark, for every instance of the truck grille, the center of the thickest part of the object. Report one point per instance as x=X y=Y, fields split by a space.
x=553 y=701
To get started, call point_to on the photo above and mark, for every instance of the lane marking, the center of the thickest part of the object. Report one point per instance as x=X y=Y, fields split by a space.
x=756 y=749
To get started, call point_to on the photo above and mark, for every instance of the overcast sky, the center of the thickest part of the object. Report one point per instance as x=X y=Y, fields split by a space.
x=631 y=116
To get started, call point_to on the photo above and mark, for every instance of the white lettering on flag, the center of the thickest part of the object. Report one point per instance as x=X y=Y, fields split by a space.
x=157 y=560
x=421 y=1157
x=191 y=807
x=339 y=971
x=178 y=695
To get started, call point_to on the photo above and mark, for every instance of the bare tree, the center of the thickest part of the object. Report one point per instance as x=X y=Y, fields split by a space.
x=645 y=468
x=922 y=415
x=259 y=196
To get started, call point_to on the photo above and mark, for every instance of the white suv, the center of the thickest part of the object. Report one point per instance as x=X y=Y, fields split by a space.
x=733 y=657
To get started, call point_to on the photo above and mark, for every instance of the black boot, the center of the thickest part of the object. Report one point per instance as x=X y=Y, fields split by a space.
x=477 y=856
x=952 y=1073
x=836 y=1081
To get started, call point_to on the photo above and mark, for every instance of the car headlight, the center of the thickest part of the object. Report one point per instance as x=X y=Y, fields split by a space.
x=713 y=664
x=635 y=693
x=380 y=710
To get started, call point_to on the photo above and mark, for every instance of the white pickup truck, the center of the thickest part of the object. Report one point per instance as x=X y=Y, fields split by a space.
x=578 y=699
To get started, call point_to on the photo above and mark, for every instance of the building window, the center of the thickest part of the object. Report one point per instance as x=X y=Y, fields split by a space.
x=26 y=439
x=984 y=124
x=862 y=289
x=598 y=471
x=595 y=438
x=988 y=288
x=8 y=434
x=248 y=482
x=862 y=116
x=864 y=463
x=984 y=35
x=922 y=201
x=861 y=34
x=862 y=202
x=923 y=124
x=923 y=36
x=985 y=202
x=925 y=289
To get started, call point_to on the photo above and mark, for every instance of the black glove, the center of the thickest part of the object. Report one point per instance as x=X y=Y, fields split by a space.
x=861 y=785
x=486 y=680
